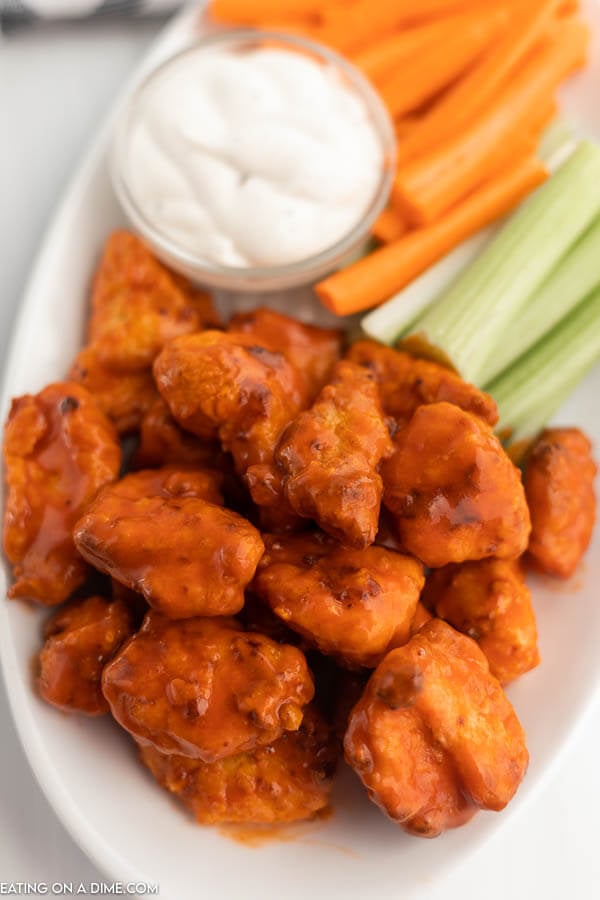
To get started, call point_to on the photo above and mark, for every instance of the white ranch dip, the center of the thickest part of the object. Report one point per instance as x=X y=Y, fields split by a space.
x=261 y=158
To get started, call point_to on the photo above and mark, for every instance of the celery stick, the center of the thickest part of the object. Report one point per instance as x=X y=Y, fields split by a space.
x=557 y=143
x=568 y=283
x=464 y=325
x=387 y=322
x=392 y=319
x=531 y=391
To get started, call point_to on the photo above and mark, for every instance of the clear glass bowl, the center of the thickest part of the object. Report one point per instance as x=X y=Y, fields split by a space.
x=258 y=278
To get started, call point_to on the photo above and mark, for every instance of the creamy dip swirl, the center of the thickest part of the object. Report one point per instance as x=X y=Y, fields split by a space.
x=260 y=158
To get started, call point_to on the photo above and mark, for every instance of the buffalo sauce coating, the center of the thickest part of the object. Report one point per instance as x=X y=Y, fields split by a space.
x=59 y=449
x=489 y=601
x=329 y=457
x=352 y=604
x=421 y=617
x=204 y=689
x=124 y=397
x=559 y=483
x=286 y=781
x=434 y=736
x=312 y=351
x=226 y=385
x=163 y=442
x=185 y=555
x=406 y=383
x=453 y=491
x=257 y=616
x=171 y=481
x=79 y=640
x=138 y=305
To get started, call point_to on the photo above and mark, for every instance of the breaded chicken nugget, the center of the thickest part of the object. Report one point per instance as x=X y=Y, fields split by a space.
x=79 y=640
x=186 y=556
x=352 y=604
x=406 y=383
x=434 y=736
x=225 y=385
x=312 y=351
x=59 y=449
x=489 y=601
x=204 y=689
x=329 y=457
x=285 y=781
x=163 y=442
x=454 y=492
x=125 y=397
x=138 y=305
x=559 y=484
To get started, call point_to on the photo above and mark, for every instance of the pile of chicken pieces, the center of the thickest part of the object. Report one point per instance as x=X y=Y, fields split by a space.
x=309 y=549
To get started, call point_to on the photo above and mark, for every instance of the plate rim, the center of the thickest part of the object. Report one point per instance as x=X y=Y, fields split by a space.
x=92 y=842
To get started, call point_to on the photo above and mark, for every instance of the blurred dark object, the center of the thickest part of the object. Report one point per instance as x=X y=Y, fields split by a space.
x=15 y=12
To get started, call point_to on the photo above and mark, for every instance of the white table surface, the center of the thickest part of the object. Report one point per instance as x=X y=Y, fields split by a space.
x=55 y=85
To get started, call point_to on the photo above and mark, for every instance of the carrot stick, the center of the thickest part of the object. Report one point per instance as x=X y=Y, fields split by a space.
x=520 y=146
x=373 y=279
x=252 y=12
x=380 y=58
x=405 y=125
x=365 y=21
x=428 y=186
x=463 y=40
x=545 y=114
x=301 y=27
x=568 y=7
x=526 y=141
x=478 y=87
x=388 y=226
x=422 y=202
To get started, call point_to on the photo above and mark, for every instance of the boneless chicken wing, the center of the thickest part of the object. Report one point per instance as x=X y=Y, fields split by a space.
x=434 y=736
x=257 y=616
x=138 y=305
x=218 y=383
x=205 y=689
x=124 y=397
x=559 y=483
x=59 y=449
x=163 y=442
x=421 y=617
x=282 y=782
x=312 y=351
x=171 y=481
x=489 y=601
x=406 y=383
x=453 y=491
x=352 y=604
x=79 y=640
x=186 y=555
x=329 y=457
x=226 y=385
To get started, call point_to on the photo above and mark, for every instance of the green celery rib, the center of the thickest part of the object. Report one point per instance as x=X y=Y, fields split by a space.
x=570 y=281
x=558 y=142
x=390 y=321
x=530 y=391
x=386 y=323
x=465 y=324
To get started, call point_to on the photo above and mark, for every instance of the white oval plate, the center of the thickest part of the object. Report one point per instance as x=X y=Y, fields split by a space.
x=129 y=827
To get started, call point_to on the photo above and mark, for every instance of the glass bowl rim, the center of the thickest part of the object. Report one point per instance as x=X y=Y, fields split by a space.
x=318 y=262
